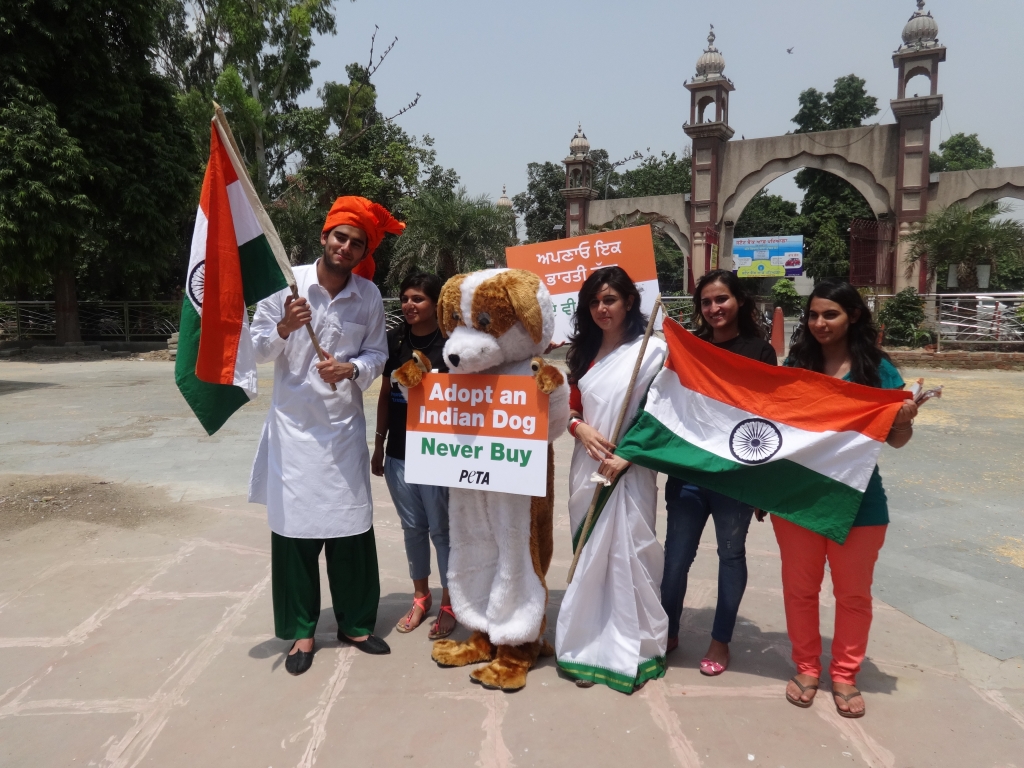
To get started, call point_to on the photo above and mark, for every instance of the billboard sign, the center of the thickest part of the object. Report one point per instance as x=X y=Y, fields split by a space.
x=564 y=264
x=781 y=256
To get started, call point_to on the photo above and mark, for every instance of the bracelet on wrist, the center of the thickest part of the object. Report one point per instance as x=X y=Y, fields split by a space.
x=573 y=424
x=381 y=435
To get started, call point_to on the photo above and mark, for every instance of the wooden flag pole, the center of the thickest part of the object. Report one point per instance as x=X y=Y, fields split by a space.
x=589 y=521
x=254 y=199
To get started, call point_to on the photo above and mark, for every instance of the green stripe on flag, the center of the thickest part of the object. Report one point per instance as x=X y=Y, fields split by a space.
x=802 y=496
x=261 y=274
x=212 y=404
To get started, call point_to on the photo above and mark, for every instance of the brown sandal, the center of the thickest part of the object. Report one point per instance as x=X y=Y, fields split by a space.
x=846 y=697
x=435 y=630
x=799 y=702
x=423 y=603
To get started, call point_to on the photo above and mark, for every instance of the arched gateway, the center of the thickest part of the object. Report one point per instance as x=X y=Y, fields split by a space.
x=887 y=164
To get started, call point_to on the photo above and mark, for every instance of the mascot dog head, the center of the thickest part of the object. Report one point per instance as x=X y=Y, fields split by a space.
x=493 y=317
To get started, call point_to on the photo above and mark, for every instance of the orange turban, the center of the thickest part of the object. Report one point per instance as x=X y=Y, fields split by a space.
x=373 y=218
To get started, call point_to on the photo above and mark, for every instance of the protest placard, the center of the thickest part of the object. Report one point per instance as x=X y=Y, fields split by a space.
x=476 y=431
x=563 y=265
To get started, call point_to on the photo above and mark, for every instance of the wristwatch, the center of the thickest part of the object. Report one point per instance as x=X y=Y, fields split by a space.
x=355 y=371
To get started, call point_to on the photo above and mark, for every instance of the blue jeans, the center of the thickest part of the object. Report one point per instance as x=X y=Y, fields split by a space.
x=689 y=507
x=423 y=510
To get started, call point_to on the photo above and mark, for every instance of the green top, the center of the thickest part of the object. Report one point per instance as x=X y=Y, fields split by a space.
x=874 y=507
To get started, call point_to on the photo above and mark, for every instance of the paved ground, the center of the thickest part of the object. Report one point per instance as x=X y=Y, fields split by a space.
x=135 y=618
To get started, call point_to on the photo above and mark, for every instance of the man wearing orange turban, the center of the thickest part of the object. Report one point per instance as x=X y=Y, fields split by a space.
x=312 y=468
x=372 y=218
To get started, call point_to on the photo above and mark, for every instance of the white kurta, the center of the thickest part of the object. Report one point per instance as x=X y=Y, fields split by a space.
x=611 y=626
x=312 y=467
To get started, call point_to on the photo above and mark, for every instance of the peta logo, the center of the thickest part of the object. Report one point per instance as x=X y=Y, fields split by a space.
x=474 y=477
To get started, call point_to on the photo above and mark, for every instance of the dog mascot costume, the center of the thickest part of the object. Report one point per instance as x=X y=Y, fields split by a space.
x=498 y=321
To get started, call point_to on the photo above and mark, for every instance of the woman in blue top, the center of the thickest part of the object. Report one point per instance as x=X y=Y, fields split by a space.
x=838 y=339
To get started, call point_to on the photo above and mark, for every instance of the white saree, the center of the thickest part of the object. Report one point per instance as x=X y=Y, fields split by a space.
x=611 y=626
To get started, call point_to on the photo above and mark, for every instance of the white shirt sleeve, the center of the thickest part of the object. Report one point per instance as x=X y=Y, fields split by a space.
x=265 y=338
x=374 y=352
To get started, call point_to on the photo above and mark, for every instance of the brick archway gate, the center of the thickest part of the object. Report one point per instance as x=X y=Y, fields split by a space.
x=887 y=164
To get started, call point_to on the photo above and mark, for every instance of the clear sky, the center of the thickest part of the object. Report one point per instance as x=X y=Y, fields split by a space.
x=504 y=83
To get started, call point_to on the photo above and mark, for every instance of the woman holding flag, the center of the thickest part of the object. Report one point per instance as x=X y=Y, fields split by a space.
x=838 y=340
x=724 y=315
x=611 y=626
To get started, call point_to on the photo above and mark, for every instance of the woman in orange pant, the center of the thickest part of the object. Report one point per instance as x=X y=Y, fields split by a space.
x=838 y=339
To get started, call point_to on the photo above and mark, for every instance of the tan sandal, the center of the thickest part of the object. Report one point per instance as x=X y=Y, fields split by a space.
x=435 y=630
x=423 y=603
x=846 y=697
x=799 y=702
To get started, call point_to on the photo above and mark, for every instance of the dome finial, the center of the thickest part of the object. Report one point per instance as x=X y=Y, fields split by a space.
x=579 y=146
x=711 y=63
x=503 y=201
x=921 y=30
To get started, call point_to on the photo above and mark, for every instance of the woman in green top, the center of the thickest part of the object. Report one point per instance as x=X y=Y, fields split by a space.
x=838 y=339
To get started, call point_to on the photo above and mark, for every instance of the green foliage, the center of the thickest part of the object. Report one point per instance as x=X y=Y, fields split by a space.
x=768 y=215
x=43 y=212
x=541 y=206
x=255 y=58
x=78 y=78
x=830 y=202
x=902 y=316
x=664 y=175
x=448 y=233
x=828 y=254
x=968 y=238
x=961 y=152
x=784 y=295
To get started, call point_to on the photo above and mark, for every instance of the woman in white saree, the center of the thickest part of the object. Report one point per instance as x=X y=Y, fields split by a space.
x=611 y=626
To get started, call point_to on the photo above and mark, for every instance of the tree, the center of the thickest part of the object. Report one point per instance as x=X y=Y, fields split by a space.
x=139 y=159
x=961 y=152
x=968 y=238
x=827 y=198
x=768 y=215
x=664 y=175
x=448 y=233
x=254 y=57
x=784 y=295
x=901 y=317
x=541 y=206
x=828 y=254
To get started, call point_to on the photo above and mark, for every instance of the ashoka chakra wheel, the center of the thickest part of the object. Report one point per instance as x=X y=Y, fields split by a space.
x=196 y=283
x=754 y=441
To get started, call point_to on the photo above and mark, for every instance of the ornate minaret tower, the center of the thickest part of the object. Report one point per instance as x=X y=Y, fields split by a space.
x=920 y=54
x=709 y=128
x=579 y=184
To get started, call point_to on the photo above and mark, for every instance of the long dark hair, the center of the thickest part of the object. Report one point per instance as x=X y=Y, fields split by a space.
x=749 y=320
x=861 y=337
x=587 y=335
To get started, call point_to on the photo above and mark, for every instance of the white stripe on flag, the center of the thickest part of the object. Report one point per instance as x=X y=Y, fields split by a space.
x=847 y=457
x=197 y=254
x=246 y=226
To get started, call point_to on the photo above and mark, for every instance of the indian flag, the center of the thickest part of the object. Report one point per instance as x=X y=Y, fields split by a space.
x=236 y=260
x=793 y=442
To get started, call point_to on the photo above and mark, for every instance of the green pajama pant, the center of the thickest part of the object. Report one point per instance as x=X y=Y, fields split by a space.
x=352 y=575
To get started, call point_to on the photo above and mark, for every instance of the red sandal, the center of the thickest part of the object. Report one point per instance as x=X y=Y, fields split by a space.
x=435 y=631
x=423 y=603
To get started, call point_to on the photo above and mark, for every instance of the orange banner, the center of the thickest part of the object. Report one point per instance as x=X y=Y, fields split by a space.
x=565 y=264
x=479 y=405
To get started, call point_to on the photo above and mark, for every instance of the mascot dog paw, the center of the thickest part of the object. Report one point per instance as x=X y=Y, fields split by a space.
x=499 y=321
x=410 y=374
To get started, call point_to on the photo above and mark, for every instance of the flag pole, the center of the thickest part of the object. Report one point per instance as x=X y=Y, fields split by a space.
x=589 y=521
x=268 y=226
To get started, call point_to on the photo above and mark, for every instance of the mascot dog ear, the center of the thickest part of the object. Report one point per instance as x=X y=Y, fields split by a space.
x=449 y=303
x=509 y=296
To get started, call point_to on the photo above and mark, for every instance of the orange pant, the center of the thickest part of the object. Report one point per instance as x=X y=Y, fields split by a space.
x=803 y=567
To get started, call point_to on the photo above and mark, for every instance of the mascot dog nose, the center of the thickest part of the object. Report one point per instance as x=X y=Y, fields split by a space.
x=454 y=359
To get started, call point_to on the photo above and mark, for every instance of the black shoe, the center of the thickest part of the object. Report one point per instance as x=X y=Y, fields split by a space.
x=299 y=662
x=372 y=644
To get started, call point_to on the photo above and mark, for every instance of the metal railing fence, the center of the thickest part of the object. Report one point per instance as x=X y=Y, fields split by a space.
x=970 y=318
x=99 y=321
